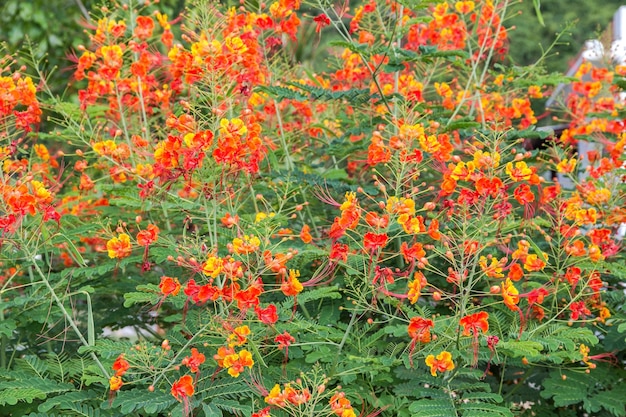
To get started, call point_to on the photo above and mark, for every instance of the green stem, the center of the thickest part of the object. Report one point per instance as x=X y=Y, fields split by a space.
x=67 y=316
x=4 y=344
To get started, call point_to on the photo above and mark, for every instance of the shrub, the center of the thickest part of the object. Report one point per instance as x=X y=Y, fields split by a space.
x=374 y=239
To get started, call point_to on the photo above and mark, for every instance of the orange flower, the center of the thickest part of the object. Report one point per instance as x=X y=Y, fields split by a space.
x=42 y=152
x=169 y=286
x=229 y=221
x=292 y=286
x=144 y=27
x=523 y=195
x=586 y=216
x=595 y=253
x=510 y=295
x=534 y=263
x=522 y=250
x=148 y=236
x=413 y=253
x=463 y=171
x=415 y=287
x=194 y=361
x=183 y=388
x=412 y=225
x=515 y=272
x=341 y=406
x=167 y=152
x=485 y=186
x=475 y=323
x=442 y=363
x=119 y=247
x=433 y=230
x=221 y=354
x=374 y=220
x=276 y=397
x=305 y=234
x=112 y=61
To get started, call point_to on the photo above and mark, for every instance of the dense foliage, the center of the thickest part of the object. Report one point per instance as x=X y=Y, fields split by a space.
x=378 y=238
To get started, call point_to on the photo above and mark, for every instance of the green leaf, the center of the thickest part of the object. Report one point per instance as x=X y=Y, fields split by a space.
x=137 y=399
x=526 y=134
x=432 y=408
x=235 y=407
x=282 y=93
x=461 y=125
x=520 y=348
x=568 y=391
x=210 y=410
x=482 y=409
x=65 y=400
x=28 y=390
x=7 y=326
x=612 y=400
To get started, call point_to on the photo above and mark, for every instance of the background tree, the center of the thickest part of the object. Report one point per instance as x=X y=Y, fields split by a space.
x=529 y=39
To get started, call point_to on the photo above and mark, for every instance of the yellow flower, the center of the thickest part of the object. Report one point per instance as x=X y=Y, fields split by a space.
x=213 y=266
x=566 y=166
x=519 y=172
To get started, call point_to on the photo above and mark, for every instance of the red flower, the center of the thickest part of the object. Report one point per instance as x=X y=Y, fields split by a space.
x=537 y=295
x=267 y=315
x=373 y=241
x=474 y=323
x=120 y=366
x=262 y=413
x=523 y=195
x=419 y=329
x=339 y=251
x=284 y=340
x=579 y=309
x=321 y=21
